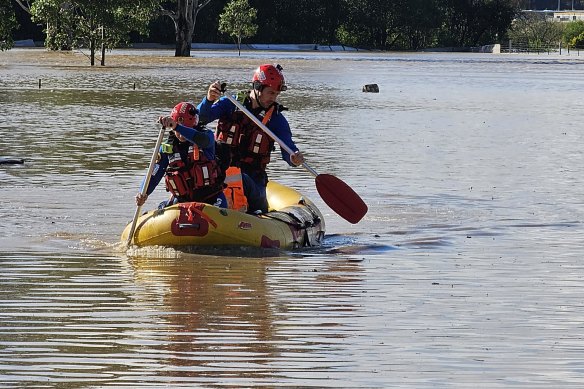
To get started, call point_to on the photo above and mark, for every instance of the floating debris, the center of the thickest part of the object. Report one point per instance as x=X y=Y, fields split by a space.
x=373 y=88
x=11 y=161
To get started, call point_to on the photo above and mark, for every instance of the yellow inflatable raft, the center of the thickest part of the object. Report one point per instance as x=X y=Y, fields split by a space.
x=293 y=222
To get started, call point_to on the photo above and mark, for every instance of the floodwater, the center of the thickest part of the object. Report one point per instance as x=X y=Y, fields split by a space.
x=467 y=270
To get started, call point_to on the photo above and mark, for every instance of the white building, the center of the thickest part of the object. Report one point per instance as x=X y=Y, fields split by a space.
x=568 y=16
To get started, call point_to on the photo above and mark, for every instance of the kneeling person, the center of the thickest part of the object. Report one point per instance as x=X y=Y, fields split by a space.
x=187 y=161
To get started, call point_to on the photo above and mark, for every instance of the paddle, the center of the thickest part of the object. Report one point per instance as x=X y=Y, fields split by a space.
x=145 y=185
x=339 y=196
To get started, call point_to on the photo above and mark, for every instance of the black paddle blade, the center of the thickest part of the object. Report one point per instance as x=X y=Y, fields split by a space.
x=340 y=198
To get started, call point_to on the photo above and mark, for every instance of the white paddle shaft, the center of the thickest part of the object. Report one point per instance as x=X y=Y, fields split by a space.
x=267 y=131
x=145 y=185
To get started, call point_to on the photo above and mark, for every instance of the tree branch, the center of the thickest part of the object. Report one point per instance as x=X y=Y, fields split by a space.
x=26 y=7
x=165 y=12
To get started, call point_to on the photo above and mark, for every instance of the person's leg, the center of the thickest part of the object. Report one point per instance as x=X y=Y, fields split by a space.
x=167 y=203
x=221 y=201
x=256 y=195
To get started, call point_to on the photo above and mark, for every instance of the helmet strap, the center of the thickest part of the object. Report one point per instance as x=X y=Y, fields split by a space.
x=256 y=97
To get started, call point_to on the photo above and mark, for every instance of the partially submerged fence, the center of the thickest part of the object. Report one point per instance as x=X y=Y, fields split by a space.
x=540 y=48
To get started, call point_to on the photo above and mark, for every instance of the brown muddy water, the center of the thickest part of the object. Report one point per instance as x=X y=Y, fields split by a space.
x=467 y=271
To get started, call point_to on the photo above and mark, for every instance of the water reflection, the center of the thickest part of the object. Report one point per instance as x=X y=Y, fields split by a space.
x=179 y=320
x=217 y=311
x=243 y=314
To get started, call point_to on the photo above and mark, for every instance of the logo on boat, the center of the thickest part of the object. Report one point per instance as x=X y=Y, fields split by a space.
x=244 y=226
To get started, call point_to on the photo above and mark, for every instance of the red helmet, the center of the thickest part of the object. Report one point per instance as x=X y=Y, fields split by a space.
x=269 y=75
x=186 y=114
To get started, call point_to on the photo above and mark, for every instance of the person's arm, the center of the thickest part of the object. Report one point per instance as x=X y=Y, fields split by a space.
x=190 y=134
x=200 y=138
x=158 y=172
x=209 y=150
x=155 y=178
x=205 y=108
x=212 y=110
x=212 y=107
x=280 y=127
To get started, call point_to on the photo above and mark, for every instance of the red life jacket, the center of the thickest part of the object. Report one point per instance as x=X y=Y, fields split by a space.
x=248 y=143
x=193 y=179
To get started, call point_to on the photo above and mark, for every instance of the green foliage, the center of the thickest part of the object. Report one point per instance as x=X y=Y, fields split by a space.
x=369 y=23
x=535 y=32
x=299 y=21
x=574 y=33
x=350 y=37
x=7 y=24
x=477 y=22
x=373 y=24
x=415 y=24
x=238 y=20
x=88 y=23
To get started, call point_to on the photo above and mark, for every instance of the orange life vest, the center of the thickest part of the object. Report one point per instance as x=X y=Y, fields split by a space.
x=234 y=190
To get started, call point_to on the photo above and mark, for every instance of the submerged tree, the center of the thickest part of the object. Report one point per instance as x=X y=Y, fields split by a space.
x=92 y=24
x=184 y=17
x=238 y=20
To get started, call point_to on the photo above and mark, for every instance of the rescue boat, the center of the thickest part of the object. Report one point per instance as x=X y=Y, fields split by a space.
x=292 y=222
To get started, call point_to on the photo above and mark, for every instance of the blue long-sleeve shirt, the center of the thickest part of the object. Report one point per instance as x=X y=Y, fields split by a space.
x=202 y=137
x=223 y=108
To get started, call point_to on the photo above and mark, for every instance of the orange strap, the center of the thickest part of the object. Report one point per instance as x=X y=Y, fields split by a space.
x=268 y=116
x=196 y=151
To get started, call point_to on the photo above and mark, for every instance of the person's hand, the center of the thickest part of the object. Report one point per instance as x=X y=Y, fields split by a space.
x=214 y=91
x=167 y=122
x=141 y=199
x=297 y=158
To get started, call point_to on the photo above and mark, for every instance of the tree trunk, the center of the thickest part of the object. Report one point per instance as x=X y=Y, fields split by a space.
x=102 y=47
x=184 y=23
x=183 y=42
x=184 y=29
x=92 y=51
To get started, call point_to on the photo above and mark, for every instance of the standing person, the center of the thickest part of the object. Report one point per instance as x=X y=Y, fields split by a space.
x=249 y=147
x=187 y=161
